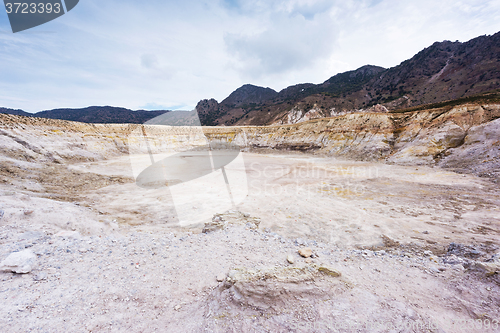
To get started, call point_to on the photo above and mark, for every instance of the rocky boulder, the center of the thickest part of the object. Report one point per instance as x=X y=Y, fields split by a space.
x=19 y=262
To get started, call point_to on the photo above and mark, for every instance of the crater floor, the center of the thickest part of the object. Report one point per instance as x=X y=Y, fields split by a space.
x=415 y=247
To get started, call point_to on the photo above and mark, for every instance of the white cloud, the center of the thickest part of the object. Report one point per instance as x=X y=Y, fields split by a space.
x=291 y=38
x=152 y=67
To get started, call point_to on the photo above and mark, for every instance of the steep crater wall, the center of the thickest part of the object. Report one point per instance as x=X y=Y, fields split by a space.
x=465 y=138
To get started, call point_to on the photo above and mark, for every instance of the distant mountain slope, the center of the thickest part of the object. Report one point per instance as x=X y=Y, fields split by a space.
x=246 y=96
x=101 y=114
x=93 y=114
x=17 y=112
x=249 y=94
x=443 y=71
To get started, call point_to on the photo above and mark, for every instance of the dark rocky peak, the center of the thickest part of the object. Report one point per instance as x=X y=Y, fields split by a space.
x=426 y=63
x=295 y=91
x=367 y=70
x=350 y=81
x=208 y=110
x=433 y=59
x=249 y=94
x=207 y=106
x=481 y=48
x=362 y=73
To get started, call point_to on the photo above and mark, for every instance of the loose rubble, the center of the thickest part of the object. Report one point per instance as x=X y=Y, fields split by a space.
x=221 y=221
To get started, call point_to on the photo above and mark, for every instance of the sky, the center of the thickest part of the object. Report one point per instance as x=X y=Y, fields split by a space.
x=162 y=54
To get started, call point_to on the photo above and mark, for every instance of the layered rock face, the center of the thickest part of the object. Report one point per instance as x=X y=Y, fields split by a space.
x=464 y=137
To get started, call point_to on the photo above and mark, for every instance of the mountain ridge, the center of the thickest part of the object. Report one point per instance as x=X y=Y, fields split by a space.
x=93 y=114
x=443 y=71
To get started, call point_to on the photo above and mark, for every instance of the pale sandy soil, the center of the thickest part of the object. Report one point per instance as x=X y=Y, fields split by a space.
x=112 y=257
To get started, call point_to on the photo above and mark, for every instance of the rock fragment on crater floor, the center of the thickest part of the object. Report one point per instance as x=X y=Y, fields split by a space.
x=232 y=217
x=19 y=262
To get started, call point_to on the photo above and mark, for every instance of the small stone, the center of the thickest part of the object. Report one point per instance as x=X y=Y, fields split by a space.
x=177 y=307
x=221 y=277
x=290 y=259
x=458 y=267
x=40 y=276
x=452 y=260
x=300 y=241
x=19 y=262
x=1 y=213
x=428 y=253
x=305 y=252
x=28 y=212
x=82 y=250
x=308 y=261
x=434 y=270
x=367 y=253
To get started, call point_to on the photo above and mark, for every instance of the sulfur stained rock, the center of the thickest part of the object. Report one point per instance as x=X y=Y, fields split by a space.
x=274 y=287
x=489 y=268
x=328 y=271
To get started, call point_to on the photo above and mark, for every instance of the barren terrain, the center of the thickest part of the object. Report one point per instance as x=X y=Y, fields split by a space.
x=401 y=214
